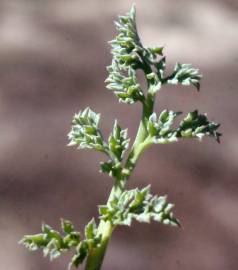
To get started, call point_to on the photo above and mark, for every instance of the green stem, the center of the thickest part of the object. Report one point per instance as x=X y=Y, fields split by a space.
x=96 y=255
x=105 y=229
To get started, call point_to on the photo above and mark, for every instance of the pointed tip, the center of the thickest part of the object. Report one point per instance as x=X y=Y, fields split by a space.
x=71 y=143
x=178 y=224
x=115 y=122
x=133 y=10
x=21 y=241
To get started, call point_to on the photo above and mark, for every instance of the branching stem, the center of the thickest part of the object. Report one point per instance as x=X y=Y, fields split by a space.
x=124 y=206
x=96 y=255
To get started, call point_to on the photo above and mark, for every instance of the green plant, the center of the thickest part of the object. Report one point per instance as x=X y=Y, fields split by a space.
x=124 y=206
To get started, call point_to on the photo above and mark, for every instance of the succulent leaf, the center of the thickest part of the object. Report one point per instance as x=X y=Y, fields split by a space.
x=53 y=244
x=138 y=205
x=118 y=142
x=85 y=132
x=186 y=75
x=194 y=125
x=126 y=51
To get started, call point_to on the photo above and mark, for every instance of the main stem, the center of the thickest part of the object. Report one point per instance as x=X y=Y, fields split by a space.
x=105 y=229
x=96 y=256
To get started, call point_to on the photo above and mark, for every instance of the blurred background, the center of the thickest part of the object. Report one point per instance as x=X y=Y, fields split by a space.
x=53 y=56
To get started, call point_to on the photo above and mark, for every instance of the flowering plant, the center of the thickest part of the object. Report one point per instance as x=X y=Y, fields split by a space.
x=125 y=206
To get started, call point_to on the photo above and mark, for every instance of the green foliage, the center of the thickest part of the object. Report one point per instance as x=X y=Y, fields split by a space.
x=186 y=75
x=124 y=206
x=118 y=142
x=91 y=241
x=137 y=205
x=123 y=81
x=125 y=50
x=194 y=125
x=160 y=129
x=54 y=243
x=129 y=55
x=85 y=132
x=197 y=125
